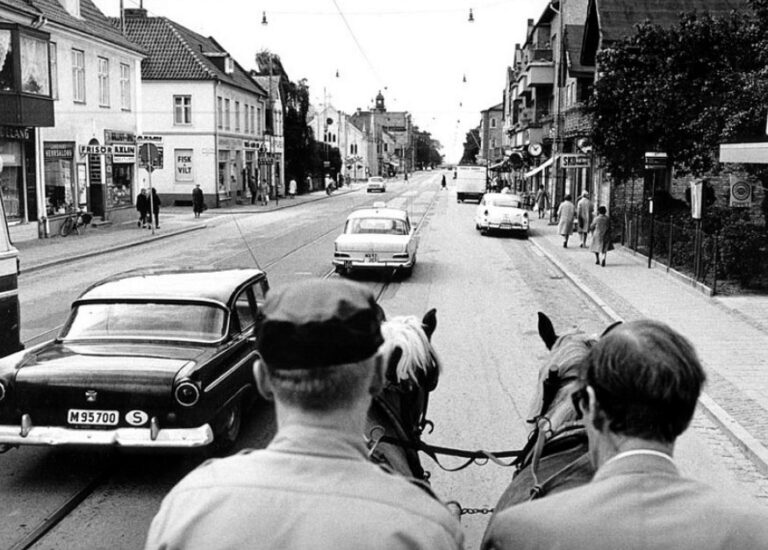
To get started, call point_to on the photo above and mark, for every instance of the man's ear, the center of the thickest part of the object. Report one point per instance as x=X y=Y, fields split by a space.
x=594 y=413
x=379 y=368
x=262 y=380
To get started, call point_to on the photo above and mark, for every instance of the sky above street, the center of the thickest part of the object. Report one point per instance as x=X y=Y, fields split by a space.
x=417 y=52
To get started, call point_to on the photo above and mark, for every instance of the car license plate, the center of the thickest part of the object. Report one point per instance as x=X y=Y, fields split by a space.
x=370 y=258
x=89 y=417
x=506 y=226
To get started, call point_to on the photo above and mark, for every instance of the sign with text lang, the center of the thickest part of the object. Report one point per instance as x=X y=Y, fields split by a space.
x=655 y=161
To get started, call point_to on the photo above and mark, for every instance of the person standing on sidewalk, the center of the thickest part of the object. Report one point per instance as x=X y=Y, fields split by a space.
x=142 y=205
x=542 y=201
x=155 y=201
x=584 y=217
x=640 y=386
x=292 y=188
x=565 y=215
x=601 y=236
x=253 y=188
x=198 y=201
x=442 y=183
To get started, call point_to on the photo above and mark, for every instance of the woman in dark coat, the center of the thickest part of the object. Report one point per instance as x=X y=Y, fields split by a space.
x=142 y=205
x=198 y=201
x=601 y=235
x=156 y=207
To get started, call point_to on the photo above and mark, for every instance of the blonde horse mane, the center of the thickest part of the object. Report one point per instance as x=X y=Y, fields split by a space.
x=407 y=333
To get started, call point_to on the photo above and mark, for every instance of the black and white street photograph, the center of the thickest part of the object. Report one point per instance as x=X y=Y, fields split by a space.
x=347 y=274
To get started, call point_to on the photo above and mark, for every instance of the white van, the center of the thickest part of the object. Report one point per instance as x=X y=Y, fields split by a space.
x=471 y=182
x=9 y=291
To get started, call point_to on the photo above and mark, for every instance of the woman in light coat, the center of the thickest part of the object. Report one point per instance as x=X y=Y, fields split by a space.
x=601 y=236
x=584 y=217
x=565 y=215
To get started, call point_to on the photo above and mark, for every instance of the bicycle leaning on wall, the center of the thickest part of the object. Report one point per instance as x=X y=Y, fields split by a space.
x=76 y=221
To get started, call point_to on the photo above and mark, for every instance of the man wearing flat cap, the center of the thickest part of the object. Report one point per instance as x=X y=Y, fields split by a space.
x=313 y=486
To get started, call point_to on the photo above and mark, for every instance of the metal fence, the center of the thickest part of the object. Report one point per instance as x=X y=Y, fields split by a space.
x=689 y=250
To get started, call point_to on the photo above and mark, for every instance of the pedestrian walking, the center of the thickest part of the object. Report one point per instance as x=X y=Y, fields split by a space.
x=198 y=201
x=263 y=193
x=602 y=240
x=313 y=487
x=142 y=206
x=640 y=386
x=155 y=202
x=328 y=184
x=542 y=201
x=341 y=180
x=566 y=213
x=442 y=183
x=584 y=217
x=253 y=188
x=292 y=188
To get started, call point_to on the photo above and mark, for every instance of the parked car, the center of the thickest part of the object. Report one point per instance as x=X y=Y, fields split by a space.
x=501 y=212
x=376 y=183
x=376 y=238
x=150 y=358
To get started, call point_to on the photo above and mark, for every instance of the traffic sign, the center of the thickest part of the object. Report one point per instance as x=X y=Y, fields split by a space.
x=655 y=161
x=151 y=156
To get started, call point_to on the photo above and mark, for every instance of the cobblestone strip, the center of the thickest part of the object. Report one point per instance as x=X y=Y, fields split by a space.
x=742 y=419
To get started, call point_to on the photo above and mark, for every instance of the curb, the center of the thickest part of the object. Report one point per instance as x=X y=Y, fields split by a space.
x=290 y=203
x=739 y=436
x=67 y=259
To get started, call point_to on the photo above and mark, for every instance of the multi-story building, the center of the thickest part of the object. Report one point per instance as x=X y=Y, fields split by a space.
x=334 y=128
x=206 y=109
x=491 y=125
x=78 y=69
x=390 y=138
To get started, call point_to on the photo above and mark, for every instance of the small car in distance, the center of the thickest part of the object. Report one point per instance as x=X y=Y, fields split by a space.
x=501 y=212
x=376 y=238
x=150 y=358
x=376 y=183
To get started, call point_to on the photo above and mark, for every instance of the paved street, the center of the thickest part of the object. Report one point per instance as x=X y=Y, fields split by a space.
x=487 y=291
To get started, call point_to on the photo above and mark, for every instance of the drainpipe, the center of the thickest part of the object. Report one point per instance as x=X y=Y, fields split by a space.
x=216 y=141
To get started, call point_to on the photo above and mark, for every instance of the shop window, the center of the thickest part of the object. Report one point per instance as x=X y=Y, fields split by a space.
x=182 y=109
x=34 y=66
x=60 y=190
x=78 y=76
x=11 y=181
x=125 y=87
x=103 y=67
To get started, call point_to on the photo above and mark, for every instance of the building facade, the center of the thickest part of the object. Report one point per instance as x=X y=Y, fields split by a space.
x=202 y=108
x=390 y=138
x=491 y=130
x=87 y=160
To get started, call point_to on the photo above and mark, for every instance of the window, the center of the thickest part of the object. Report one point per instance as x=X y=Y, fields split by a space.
x=237 y=116
x=103 y=82
x=246 y=116
x=53 y=55
x=219 y=113
x=227 y=115
x=493 y=123
x=125 y=87
x=258 y=120
x=182 y=109
x=253 y=119
x=78 y=76
x=386 y=147
x=72 y=6
x=244 y=308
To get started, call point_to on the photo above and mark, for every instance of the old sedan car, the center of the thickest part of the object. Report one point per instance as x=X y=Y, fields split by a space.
x=376 y=183
x=150 y=358
x=501 y=212
x=376 y=238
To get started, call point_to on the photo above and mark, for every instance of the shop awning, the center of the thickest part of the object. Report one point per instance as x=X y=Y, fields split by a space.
x=539 y=168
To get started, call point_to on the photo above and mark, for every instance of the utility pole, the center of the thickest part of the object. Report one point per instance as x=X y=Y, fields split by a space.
x=272 y=137
x=557 y=152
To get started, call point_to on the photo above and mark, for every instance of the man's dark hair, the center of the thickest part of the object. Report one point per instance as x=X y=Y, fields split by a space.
x=647 y=379
x=601 y=210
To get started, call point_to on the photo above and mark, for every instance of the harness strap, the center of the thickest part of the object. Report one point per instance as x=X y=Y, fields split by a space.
x=384 y=407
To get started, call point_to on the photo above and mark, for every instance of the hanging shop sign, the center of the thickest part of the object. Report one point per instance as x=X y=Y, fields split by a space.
x=572 y=160
x=741 y=194
x=655 y=161
x=123 y=154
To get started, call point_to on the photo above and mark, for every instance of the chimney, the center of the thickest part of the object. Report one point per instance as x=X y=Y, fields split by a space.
x=135 y=13
x=530 y=29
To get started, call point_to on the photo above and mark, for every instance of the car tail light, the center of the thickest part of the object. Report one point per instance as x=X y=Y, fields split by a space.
x=187 y=394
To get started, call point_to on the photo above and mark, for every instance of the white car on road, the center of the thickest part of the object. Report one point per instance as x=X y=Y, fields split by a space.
x=377 y=238
x=501 y=212
x=376 y=183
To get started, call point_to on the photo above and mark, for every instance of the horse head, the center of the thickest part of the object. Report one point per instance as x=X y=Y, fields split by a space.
x=412 y=372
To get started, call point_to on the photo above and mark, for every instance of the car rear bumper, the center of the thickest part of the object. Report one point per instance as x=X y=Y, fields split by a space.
x=168 y=438
x=389 y=264
x=506 y=227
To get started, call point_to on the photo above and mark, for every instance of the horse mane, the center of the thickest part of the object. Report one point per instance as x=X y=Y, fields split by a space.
x=418 y=355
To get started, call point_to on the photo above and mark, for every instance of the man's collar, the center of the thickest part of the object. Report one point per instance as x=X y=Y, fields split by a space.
x=318 y=441
x=637 y=461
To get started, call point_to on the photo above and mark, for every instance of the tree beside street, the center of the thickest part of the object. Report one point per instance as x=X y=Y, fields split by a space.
x=471 y=147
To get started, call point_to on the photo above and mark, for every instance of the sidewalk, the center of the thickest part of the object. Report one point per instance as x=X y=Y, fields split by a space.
x=729 y=333
x=174 y=220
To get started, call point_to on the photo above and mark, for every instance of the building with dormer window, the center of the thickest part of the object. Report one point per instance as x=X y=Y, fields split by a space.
x=206 y=108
